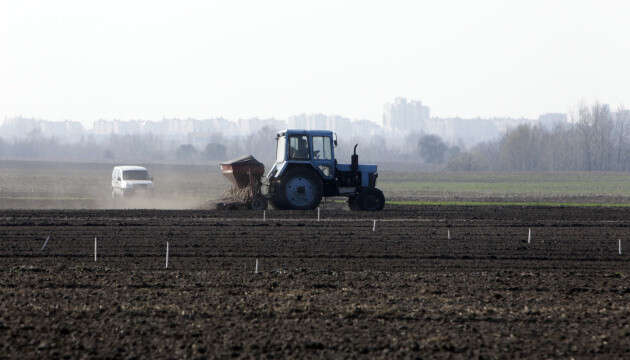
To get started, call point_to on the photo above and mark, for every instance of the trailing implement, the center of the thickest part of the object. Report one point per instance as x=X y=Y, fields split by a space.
x=245 y=174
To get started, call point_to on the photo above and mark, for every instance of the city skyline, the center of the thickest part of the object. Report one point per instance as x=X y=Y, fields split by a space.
x=383 y=120
x=401 y=117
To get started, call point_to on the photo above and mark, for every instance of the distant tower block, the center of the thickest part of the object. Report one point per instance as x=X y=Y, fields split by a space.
x=405 y=115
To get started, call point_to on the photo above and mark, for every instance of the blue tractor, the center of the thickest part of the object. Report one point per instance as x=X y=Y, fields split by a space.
x=306 y=170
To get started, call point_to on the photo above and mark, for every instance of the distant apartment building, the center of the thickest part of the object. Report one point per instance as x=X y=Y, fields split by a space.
x=335 y=123
x=252 y=125
x=118 y=127
x=462 y=131
x=551 y=120
x=169 y=128
x=309 y=122
x=405 y=115
x=62 y=129
x=19 y=127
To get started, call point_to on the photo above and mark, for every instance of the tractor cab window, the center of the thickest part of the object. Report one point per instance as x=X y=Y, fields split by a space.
x=281 y=147
x=298 y=147
x=322 y=148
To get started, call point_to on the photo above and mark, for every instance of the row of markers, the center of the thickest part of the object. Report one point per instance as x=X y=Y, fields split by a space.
x=448 y=234
x=96 y=249
x=448 y=231
x=319 y=218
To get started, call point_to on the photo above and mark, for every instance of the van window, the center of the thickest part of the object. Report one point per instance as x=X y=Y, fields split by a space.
x=135 y=175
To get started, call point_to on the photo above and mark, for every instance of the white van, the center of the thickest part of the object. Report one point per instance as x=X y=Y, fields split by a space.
x=129 y=180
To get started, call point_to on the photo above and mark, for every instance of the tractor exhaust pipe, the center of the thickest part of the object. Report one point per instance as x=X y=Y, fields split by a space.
x=355 y=160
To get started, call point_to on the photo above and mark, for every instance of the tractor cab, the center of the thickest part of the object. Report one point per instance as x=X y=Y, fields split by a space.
x=306 y=170
x=311 y=148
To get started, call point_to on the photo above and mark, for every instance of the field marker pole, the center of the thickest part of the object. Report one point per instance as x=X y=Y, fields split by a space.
x=256 y=268
x=619 y=246
x=264 y=215
x=318 y=213
x=374 y=226
x=448 y=234
x=45 y=243
x=529 y=236
x=95 y=249
x=166 y=267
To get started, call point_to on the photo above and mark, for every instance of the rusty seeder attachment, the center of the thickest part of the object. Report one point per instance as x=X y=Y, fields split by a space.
x=245 y=174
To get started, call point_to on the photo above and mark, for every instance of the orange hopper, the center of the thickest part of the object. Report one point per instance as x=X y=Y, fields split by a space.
x=244 y=171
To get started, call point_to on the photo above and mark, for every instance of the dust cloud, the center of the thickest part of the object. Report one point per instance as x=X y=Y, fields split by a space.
x=47 y=185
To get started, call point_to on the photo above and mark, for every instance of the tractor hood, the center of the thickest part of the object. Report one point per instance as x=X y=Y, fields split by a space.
x=362 y=168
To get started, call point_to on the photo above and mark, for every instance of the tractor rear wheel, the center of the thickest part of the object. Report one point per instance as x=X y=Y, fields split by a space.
x=276 y=199
x=371 y=199
x=353 y=204
x=299 y=189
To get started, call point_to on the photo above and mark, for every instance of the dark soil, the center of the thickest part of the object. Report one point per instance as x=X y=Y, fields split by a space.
x=333 y=288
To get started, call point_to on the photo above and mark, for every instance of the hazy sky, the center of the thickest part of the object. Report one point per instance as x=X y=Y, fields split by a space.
x=84 y=60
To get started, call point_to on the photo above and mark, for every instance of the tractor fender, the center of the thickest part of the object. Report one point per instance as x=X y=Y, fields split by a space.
x=277 y=170
x=281 y=169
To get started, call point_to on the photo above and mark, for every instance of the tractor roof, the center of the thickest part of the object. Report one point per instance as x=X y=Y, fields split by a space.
x=302 y=131
x=131 y=167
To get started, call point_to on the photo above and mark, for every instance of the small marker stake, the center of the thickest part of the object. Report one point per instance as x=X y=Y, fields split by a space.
x=529 y=236
x=448 y=234
x=45 y=242
x=619 y=246
x=95 y=249
x=264 y=215
x=318 y=213
x=166 y=267
x=374 y=226
x=256 y=268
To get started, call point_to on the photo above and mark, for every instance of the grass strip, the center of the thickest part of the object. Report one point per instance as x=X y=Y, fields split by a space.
x=506 y=203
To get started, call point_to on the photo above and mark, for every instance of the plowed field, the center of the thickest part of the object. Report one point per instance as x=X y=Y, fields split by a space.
x=337 y=287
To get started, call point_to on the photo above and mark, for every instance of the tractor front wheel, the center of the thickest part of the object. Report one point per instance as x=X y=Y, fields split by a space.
x=370 y=199
x=300 y=189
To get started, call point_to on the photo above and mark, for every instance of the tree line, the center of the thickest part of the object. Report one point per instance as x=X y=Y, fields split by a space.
x=596 y=139
x=148 y=148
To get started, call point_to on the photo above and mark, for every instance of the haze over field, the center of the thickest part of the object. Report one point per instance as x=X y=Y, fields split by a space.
x=197 y=80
